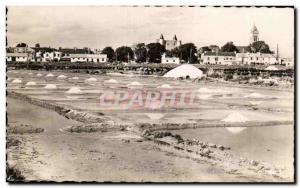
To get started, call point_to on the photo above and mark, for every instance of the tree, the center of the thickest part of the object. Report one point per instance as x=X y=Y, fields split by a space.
x=173 y=53
x=229 y=47
x=140 y=52
x=155 y=50
x=259 y=46
x=109 y=51
x=37 y=45
x=124 y=53
x=187 y=52
x=9 y=50
x=204 y=49
x=21 y=45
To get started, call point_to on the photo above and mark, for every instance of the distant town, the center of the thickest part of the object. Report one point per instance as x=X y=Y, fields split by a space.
x=165 y=51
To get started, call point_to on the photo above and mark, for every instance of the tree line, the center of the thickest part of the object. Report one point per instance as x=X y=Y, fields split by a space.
x=153 y=52
x=187 y=53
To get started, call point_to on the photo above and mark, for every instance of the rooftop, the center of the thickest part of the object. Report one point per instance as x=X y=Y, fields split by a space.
x=87 y=55
x=16 y=54
x=219 y=53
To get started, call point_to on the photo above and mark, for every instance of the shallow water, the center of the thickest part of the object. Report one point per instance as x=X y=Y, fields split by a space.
x=216 y=102
x=272 y=144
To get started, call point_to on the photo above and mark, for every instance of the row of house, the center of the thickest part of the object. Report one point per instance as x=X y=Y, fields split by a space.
x=232 y=58
x=46 y=54
x=23 y=53
x=212 y=55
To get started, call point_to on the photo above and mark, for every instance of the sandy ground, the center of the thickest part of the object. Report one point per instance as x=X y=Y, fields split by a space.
x=61 y=156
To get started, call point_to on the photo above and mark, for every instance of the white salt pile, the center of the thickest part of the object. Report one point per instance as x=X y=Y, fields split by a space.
x=235 y=130
x=91 y=80
x=255 y=102
x=205 y=96
x=255 y=96
x=61 y=76
x=74 y=78
x=111 y=81
x=155 y=116
x=49 y=75
x=268 y=81
x=17 y=81
x=39 y=75
x=30 y=73
x=271 y=68
x=74 y=90
x=50 y=86
x=204 y=90
x=165 y=86
x=134 y=84
x=235 y=117
x=30 y=84
x=184 y=71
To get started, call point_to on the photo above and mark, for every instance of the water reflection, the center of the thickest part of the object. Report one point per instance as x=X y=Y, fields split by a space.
x=235 y=130
x=155 y=116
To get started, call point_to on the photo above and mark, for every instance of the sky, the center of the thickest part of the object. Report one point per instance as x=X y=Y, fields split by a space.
x=100 y=26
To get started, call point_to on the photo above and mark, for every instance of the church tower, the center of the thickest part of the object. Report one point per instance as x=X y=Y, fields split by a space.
x=161 y=40
x=254 y=35
x=175 y=38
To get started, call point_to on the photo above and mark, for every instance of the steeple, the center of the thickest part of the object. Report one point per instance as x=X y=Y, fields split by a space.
x=254 y=34
x=161 y=36
x=174 y=38
x=254 y=30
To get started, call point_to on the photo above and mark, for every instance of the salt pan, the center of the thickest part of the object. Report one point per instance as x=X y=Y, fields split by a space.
x=50 y=86
x=235 y=117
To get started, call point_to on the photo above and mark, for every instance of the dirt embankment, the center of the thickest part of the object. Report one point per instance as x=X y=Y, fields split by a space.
x=84 y=117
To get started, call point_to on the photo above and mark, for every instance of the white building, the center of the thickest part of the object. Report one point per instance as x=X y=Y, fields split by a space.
x=289 y=62
x=218 y=58
x=169 y=44
x=52 y=56
x=257 y=59
x=96 y=58
x=231 y=58
x=17 y=57
x=165 y=60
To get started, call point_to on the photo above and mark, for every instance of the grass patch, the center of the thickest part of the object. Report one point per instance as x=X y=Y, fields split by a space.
x=23 y=129
x=86 y=128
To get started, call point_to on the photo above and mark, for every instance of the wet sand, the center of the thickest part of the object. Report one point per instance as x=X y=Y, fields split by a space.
x=60 y=156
